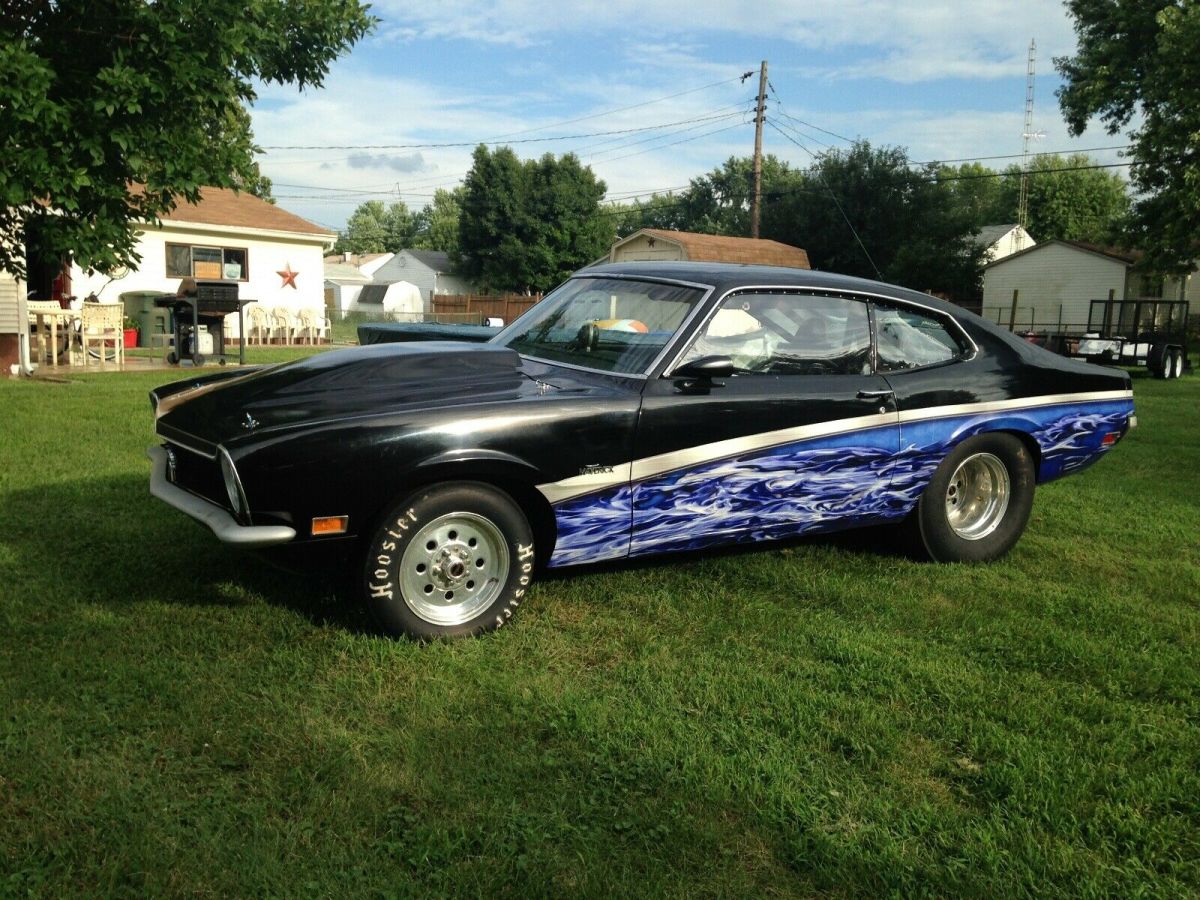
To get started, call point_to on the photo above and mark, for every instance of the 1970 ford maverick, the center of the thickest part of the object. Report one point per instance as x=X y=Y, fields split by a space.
x=640 y=408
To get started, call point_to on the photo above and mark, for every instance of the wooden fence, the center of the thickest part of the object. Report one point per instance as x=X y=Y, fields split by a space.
x=504 y=306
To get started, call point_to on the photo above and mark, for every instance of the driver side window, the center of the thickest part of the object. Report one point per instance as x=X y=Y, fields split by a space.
x=788 y=334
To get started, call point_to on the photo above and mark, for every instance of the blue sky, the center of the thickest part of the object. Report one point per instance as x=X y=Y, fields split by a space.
x=944 y=79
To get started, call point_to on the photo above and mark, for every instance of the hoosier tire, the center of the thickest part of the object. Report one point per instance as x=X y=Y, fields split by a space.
x=451 y=560
x=978 y=502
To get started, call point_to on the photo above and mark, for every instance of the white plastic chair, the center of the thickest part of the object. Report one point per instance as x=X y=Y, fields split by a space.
x=281 y=325
x=101 y=324
x=259 y=329
x=313 y=325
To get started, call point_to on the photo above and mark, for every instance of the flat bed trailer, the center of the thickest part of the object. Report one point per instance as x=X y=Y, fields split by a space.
x=1143 y=332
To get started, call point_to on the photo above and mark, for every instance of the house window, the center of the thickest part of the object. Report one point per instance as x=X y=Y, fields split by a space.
x=184 y=260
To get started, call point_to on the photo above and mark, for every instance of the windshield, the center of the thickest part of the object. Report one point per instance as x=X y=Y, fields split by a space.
x=603 y=323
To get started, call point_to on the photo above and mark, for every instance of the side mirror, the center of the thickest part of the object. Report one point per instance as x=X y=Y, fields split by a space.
x=699 y=375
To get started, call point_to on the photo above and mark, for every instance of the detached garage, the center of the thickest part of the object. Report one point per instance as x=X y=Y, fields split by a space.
x=659 y=245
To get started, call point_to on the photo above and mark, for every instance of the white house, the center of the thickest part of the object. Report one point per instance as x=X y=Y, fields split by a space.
x=999 y=241
x=430 y=270
x=346 y=274
x=276 y=258
x=1055 y=282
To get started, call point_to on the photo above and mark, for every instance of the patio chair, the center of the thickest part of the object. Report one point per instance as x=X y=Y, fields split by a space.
x=281 y=325
x=259 y=330
x=102 y=324
x=313 y=325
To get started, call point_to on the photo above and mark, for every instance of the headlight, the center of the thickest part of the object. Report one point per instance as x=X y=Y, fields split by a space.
x=233 y=484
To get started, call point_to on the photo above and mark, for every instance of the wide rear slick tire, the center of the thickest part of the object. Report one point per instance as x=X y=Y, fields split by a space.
x=450 y=560
x=977 y=504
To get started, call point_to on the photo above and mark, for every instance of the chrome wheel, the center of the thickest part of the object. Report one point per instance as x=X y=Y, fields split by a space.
x=453 y=568
x=977 y=496
x=1177 y=362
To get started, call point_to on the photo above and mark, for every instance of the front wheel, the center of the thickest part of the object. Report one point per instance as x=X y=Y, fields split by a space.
x=450 y=560
x=978 y=502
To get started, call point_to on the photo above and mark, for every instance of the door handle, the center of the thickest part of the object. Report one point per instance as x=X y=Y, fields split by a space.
x=882 y=397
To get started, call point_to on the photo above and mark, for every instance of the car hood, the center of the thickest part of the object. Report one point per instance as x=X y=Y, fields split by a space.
x=339 y=384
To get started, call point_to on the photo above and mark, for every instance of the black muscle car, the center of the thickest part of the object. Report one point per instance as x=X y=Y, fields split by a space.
x=639 y=408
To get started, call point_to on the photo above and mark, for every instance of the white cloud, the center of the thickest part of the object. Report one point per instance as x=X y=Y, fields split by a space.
x=914 y=40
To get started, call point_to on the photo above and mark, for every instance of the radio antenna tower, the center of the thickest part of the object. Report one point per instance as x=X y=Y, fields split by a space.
x=1026 y=136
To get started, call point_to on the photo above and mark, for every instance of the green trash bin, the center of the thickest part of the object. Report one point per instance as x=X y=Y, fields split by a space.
x=152 y=320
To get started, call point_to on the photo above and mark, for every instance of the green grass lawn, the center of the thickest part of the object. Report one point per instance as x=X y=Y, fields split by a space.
x=823 y=718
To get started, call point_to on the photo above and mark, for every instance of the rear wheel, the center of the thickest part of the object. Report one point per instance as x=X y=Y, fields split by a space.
x=978 y=502
x=450 y=560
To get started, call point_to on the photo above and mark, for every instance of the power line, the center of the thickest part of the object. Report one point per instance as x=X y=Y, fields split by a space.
x=933 y=162
x=836 y=202
x=779 y=100
x=619 y=109
x=434 y=146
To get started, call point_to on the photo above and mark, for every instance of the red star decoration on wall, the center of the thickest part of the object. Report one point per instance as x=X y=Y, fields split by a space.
x=289 y=277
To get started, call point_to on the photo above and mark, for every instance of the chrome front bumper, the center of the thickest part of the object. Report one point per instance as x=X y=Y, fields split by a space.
x=223 y=525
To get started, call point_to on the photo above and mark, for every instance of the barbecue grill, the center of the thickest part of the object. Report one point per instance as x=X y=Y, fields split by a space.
x=206 y=309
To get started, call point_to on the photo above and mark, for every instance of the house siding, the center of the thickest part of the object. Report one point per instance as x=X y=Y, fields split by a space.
x=12 y=302
x=1056 y=283
x=9 y=304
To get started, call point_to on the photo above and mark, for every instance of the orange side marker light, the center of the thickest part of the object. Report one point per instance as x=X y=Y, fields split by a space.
x=324 y=525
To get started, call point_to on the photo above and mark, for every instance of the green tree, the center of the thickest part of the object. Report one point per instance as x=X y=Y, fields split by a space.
x=1138 y=61
x=376 y=228
x=114 y=115
x=365 y=231
x=491 y=216
x=907 y=226
x=978 y=191
x=524 y=226
x=1067 y=200
x=437 y=222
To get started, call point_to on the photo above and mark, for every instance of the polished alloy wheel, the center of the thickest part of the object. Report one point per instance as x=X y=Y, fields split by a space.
x=453 y=568
x=977 y=496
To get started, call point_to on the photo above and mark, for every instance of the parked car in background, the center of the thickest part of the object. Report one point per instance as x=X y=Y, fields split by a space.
x=639 y=409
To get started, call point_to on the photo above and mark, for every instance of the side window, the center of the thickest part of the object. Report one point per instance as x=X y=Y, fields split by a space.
x=788 y=334
x=907 y=339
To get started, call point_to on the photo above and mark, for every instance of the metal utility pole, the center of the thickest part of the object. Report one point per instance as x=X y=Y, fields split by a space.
x=760 y=115
x=1027 y=135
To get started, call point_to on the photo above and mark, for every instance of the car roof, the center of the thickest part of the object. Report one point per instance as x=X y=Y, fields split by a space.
x=726 y=276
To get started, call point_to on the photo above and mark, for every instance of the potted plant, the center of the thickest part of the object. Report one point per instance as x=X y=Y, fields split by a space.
x=131 y=332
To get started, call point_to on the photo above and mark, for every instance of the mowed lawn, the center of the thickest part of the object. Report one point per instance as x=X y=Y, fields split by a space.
x=826 y=718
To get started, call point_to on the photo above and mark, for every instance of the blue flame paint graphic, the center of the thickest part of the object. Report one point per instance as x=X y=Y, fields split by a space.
x=860 y=478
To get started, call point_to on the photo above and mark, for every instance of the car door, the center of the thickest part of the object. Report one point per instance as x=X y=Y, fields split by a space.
x=800 y=438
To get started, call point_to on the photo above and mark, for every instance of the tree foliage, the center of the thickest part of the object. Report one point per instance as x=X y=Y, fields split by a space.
x=113 y=114
x=525 y=226
x=378 y=228
x=870 y=212
x=1138 y=61
x=437 y=222
x=1068 y=198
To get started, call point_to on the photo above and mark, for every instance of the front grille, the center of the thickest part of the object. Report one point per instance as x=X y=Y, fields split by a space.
x=199 y=475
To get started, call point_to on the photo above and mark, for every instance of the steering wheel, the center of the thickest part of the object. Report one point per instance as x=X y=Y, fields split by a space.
x=587 y=337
